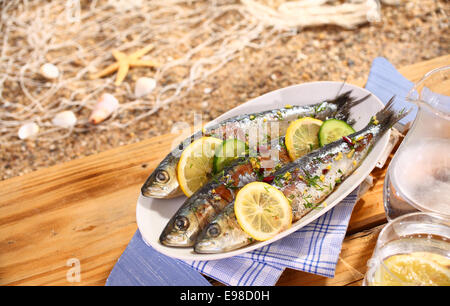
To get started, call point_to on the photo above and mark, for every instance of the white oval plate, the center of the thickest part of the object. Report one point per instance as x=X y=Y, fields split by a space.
x=152 y=215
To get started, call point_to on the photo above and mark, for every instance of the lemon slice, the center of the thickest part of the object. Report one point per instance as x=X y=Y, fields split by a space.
x=417 y=268
x=262 y=211
x=196 y=164
x=302 y=137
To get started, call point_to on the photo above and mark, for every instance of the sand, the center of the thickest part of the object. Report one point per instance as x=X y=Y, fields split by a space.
x=404 y=36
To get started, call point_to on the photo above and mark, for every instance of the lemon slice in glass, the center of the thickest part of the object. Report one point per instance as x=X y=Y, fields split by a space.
x=262 y=211
x=416 y=269
x=302 y=137
x=196 y=164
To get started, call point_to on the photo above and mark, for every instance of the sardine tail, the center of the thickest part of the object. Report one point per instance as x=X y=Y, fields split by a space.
x=387 y=117
x=345 y=103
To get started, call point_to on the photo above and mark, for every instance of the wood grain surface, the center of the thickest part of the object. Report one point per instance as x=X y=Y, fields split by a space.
x=85 y=210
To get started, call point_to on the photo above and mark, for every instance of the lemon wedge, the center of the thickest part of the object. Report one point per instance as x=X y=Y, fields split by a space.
x=417 y=268
x=196 y=164
x=302 y=137
x=262 y=211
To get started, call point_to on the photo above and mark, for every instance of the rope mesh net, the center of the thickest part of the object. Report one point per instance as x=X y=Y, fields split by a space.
x=193 y=40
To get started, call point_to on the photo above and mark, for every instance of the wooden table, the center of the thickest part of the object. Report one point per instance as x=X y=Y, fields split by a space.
x=85 y=209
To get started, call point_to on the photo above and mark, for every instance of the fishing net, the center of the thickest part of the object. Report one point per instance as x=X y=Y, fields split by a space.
x=193 y=40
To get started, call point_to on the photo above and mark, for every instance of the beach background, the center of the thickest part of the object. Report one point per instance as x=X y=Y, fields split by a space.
x=408 y=32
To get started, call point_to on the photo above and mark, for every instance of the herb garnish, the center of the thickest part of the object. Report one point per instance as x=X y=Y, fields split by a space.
x=230 y=185
x=308 y=204
x=319 y=108
x=276 y=180
x=311 y=180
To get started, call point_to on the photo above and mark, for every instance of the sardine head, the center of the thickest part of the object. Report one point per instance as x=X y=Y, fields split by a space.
x=163 y=182
x=181 y=231
x=211 y=240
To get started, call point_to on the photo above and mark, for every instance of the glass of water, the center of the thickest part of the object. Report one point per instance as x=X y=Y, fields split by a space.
x=418 y=177
x=412 y=250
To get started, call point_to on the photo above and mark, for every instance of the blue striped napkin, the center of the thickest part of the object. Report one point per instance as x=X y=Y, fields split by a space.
x=315 y=248
x=385 y=81
x=141 y=265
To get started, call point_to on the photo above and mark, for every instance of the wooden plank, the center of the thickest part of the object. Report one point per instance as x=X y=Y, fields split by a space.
x=369 y=210
x=416 y=71
x=82 y=209
x=351 y=268
x=85 y=209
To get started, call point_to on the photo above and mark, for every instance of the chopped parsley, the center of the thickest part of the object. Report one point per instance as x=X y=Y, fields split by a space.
x=319 y=108
x=230 y=185
x=307 y=203
x=311 y=180
x=277 y=182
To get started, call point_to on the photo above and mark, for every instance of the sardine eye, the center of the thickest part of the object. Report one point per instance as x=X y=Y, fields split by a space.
x=162 y=176
x=214 y=230
x=181 y=223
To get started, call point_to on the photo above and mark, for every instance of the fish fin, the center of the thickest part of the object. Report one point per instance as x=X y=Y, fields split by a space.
x=387 y=117
x=342 y=86
x=345 y=103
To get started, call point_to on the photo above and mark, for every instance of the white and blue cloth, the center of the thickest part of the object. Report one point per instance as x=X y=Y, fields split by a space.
x=314 y=248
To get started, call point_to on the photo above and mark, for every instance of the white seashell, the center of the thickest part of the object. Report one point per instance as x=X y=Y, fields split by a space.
x=28 y=130
x=144 y=86
x=65 y=119
x=105 y=106
x=49 y=71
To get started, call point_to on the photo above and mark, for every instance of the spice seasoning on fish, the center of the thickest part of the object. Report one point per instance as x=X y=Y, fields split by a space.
x=287 y=176
x=348 y=140
x=374 y=120
x=216 y=195
x=311 y=197
x=350 y=154
x=268 y=179
x=279 y=116
x=255 y=163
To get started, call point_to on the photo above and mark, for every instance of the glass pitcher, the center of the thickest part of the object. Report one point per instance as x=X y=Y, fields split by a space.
x=418 y=178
